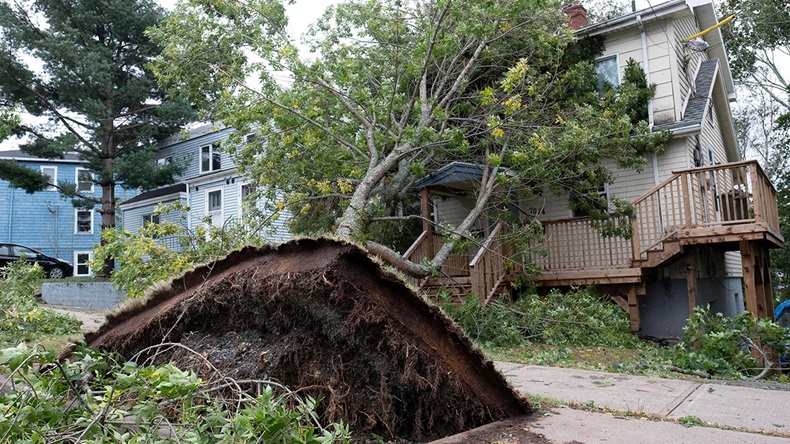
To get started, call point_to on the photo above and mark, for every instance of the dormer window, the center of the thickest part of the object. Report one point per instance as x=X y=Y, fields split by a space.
x=608 y=71
x=210 y=159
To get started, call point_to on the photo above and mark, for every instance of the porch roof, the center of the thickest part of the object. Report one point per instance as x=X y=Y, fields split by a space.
x=159 y=192
x=454 y=172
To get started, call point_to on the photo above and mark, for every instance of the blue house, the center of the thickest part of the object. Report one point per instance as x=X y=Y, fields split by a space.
x=48 y=222
x=210 y=186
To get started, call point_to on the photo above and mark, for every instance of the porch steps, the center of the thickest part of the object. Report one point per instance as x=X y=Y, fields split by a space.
x=669 y=250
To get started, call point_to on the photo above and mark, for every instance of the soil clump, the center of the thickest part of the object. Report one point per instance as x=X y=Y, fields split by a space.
x=321 y=317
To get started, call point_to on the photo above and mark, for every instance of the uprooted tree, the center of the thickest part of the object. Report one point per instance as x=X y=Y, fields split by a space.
x=395 y=90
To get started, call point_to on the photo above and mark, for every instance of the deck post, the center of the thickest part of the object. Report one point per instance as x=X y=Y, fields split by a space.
x=749 y=277
x=425 y=209
x=633 y=309
x=691 y=280
x=757 y=194
x=686 y=199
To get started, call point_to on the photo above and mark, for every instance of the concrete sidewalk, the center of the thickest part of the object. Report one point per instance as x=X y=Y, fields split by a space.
x=752 y=409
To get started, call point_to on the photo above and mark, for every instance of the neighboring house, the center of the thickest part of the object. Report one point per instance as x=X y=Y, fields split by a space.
x=704 y=221
x=48 y=222
x=210 y=186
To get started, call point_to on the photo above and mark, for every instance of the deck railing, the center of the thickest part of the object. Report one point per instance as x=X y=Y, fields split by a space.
x=697 y=198
x=426 y=246
x=575 y=244
x=488 y=268
x=706 y=197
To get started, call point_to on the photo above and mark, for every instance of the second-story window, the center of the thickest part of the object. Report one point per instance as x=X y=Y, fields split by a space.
x=608 y=73
x=83 y=223
x=210 y=159
x=84 y=180
x=52 y=172
x=164 y=161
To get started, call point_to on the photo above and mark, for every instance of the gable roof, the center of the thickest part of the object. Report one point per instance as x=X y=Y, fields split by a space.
x=697 y=104
x=20 y=155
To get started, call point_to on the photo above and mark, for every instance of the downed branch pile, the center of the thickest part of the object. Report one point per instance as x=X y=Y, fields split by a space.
x=95 y=399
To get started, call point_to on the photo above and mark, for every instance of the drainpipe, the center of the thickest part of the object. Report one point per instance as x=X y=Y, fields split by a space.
x=11 y=217
x=646 y=67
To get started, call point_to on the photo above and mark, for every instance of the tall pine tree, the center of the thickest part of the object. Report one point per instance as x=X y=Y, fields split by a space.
x=80 y=66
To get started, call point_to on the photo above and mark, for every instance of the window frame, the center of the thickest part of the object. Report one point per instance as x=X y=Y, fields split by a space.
x=54 y=168
x=242 y=197
x=77 y=212
x=599 y=60
x=212 y=154
x=77 y=180
x=77 y=264
x=150 y=218
x=603 y=191
x=164 y=161
x=207 y=205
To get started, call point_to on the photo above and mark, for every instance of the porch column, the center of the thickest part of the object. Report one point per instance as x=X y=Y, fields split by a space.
x=633 y=309
x=691 y=279
x=425 y=209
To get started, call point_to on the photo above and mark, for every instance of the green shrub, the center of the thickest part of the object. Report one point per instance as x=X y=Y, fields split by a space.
x=722 y=346
x=96 y=399
x=578 y=318
x=142 y=259
x=23 y=319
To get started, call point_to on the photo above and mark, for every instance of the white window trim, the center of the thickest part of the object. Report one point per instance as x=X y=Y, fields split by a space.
x=608 y=201
x=54 y=179
x=76 y=214
x=206 y=211
x=617 y=61
x=241 y=199
x=167 y=160
x=77 y=264
x=77 y=180
x=212 y=148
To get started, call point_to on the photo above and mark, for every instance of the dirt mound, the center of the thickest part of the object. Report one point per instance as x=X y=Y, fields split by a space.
x=321 y=317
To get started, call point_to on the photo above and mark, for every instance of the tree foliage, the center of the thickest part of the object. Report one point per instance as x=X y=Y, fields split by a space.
x=393 y=91
x=97 y=398
x=92 y=89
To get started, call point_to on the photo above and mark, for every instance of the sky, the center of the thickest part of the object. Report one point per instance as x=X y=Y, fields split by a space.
x=304 y=12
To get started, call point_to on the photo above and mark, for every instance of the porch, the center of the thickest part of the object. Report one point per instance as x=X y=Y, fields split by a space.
x=731 y=206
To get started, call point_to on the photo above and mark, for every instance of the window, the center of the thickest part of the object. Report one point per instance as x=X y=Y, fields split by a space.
x=210 y=159
x=84 y=180
x=244 y=192
x=603 y=206
x=250 y=138
x=164 y=161
x=214 y=207
x=52 y=172
x=83 y=223
x=81 y=265
x=608 y=73
x=150 y=219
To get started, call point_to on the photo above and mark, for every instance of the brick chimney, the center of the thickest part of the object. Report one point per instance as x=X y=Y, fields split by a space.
x=577 y=15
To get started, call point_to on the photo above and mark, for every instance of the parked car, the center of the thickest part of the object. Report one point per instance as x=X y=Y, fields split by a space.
x=54 y=267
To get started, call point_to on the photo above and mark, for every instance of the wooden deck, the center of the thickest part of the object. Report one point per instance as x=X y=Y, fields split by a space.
x=730 y=205
x=723 y=204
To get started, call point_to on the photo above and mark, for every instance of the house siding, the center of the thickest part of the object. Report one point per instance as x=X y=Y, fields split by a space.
x=46 y=221
x=187 y=148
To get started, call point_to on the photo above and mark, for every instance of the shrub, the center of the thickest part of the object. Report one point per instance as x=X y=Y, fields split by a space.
x=95 y=398
x=23 y=319
x=577 y=318
x=143 y=259
x=722 y=346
